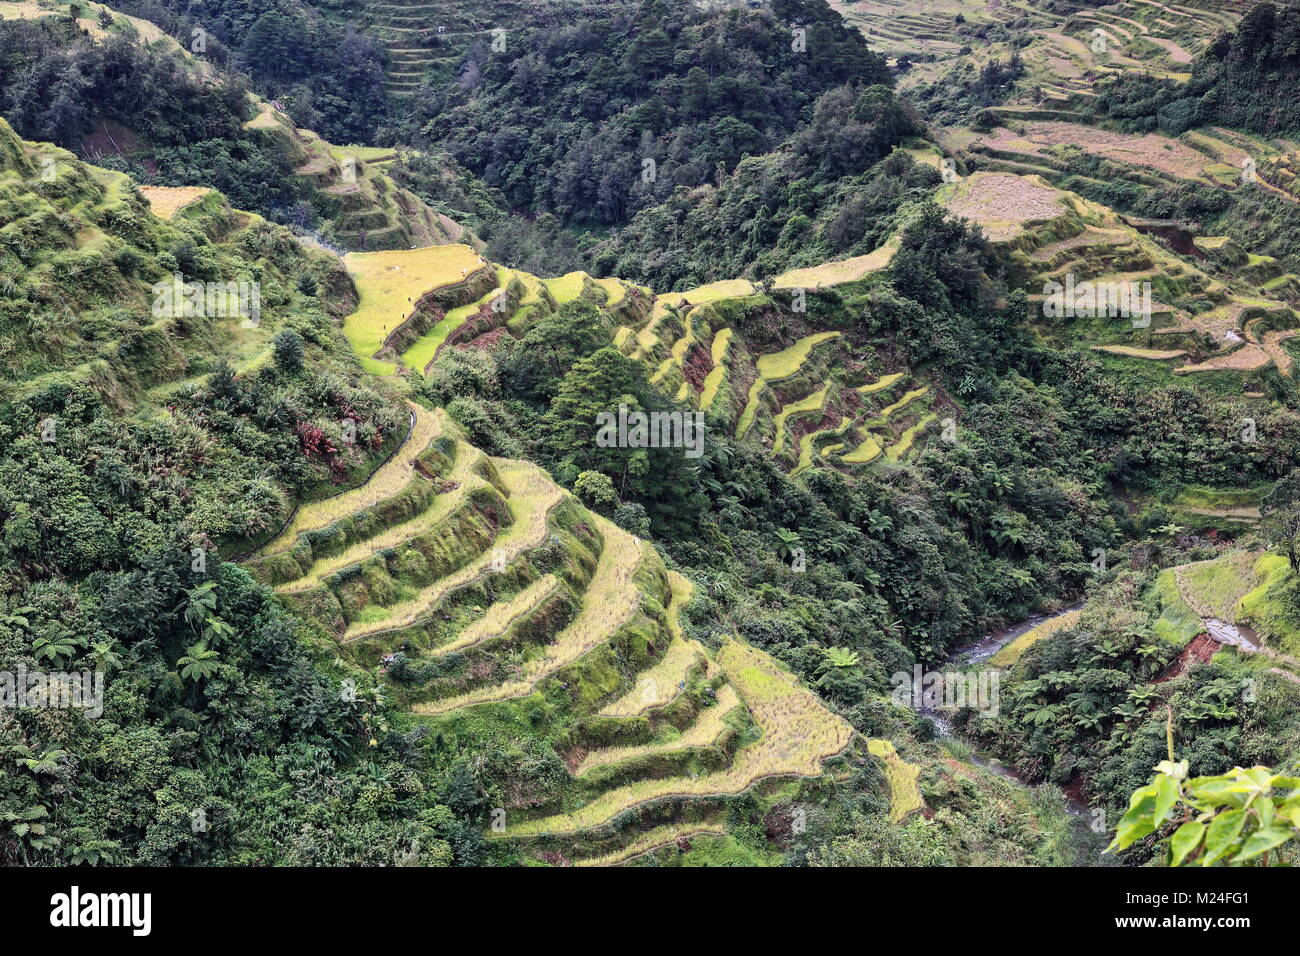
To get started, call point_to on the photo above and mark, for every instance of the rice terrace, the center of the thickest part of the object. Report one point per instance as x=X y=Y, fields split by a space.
x=625 y=407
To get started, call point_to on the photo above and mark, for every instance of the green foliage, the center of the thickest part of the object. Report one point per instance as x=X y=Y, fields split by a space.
x=562 y=121
x=288 y=351
x=1243 y=817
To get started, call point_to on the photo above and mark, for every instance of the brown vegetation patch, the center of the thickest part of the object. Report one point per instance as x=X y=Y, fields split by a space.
x=1001 y=202
x=1150 y=149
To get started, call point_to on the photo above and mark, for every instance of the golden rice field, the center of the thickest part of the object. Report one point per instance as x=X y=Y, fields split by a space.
x=389 y=479
x=166 y=201
x=904 y=794
x=609 y=602
x=811 y=403
x=464 y=476
x=654 y=839
x=807 y=442
x=676 y=355
x=567 y=287
x=880 y=384
x=903 y=402
x=422 y=351
x=869 y=450
x=390 y=283
x=1157 y=355
x=498 y=618
x=661 y=683
x=707 y=730
x=657 y=685
x=648 y=337
x=774 y=367
x=615 y=291
x=798 y=733
x=778 y=365
x=720 y=350
x=843 y=270
x=906 y=440
x=532 y=498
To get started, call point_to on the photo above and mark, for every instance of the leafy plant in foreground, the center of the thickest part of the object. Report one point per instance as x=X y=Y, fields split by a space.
x=1235 y=818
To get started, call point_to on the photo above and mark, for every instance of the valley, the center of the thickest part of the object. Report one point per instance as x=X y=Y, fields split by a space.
x=987 y=315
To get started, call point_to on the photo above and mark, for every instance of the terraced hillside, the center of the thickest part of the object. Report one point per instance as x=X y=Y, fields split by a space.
x=1214 y=308
x=98 y=209
x=1065 y=51
x=414 y=303
x=803 y=393
x=811 y=400
x=489 y=599
x=359 y=205
x=425 y=41
x=366 y=209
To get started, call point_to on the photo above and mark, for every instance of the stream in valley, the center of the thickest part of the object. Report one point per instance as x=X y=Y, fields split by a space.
x=977 y=653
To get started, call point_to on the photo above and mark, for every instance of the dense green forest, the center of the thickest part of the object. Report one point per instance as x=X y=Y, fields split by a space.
x=606 y=116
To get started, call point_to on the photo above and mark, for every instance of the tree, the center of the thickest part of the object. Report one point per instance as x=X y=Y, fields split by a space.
x=1281 y=512
x=288 y=347
x=596 y=491
x=198 y=663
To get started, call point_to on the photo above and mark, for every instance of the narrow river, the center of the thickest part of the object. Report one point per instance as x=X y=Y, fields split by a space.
x=975 y=654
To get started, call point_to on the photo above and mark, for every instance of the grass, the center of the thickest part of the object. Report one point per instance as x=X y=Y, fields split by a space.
x=422 y=351
x=532 y=496
x=609 y=602
x=389 y=285
x=1266 y=606
x=709 y=727
x=774 y=367
x=798 y=733
x=1008 y=655
x=1177 y=622
x=904 y=793
x=387 y=481
x=655 y=839
x=166 y=201
x=720 y=349
x=811 y=403
x=1215 y=588
x=1223 y=502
